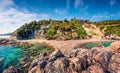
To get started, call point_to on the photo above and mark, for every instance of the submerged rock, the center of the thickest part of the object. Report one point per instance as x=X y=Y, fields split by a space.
x=1 y=64
x=1 y=60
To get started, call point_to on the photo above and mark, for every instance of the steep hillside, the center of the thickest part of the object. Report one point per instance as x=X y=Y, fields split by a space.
x=110 y=28
x=66 y=30
x=52 y=29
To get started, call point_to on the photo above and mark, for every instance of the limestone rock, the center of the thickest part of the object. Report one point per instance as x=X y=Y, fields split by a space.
x=57 y=53
x=114 y=64
x=103 y=58
x=95 y=69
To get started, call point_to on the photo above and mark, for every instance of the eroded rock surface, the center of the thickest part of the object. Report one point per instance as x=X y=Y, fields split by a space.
x=13 y=70
x=114 y=64
x=7 y=41
x=95 y=60
x=115 y=46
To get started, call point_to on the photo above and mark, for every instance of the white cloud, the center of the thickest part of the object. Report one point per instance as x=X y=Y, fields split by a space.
x=77 y=3
x=105 y=16
x=63 y=11
x=112 y=2
x=59 y=11
x=11 y=18
x=99 y=16
x=6 y=2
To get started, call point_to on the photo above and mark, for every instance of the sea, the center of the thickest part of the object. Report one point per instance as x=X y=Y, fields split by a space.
x=5 y=36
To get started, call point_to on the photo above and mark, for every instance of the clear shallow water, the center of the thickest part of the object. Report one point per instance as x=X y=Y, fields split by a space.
x=94 y=44
x=9 y=56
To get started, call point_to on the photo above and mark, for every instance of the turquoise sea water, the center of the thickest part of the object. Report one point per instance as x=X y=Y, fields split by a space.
x=9 y=56
x=94 y=44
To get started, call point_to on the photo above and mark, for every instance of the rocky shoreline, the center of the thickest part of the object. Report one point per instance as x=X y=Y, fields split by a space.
x=95 y=60
x=7 y=41
x=76 y=60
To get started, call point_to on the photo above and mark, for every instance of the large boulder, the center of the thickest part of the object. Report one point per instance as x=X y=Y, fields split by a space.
x=4 y=41
x=76 y=65
x=114 y=64
x=57 y=54
x=97 y=68
x=34 y=63
x=115 y=46
x=102 y=57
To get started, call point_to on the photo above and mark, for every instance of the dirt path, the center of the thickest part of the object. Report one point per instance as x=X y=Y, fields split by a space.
x=62 y=45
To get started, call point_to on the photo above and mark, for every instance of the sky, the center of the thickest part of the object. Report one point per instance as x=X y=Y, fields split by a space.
x=14 y=13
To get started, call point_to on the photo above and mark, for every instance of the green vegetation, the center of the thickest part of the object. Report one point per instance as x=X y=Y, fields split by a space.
x=52 y=29
x=27 y=30
x=109 y=27
x=72 y=29
x=113 y=30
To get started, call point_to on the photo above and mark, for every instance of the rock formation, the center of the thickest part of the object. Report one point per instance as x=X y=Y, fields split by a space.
x=95 y=60
x=115 y=46
x=7 y=41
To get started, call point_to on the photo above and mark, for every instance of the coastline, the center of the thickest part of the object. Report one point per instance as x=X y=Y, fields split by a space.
x=4 y=37
x=61 y=45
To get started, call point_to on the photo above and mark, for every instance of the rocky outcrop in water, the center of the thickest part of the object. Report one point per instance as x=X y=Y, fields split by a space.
x=7 y=41
x=96 y=60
